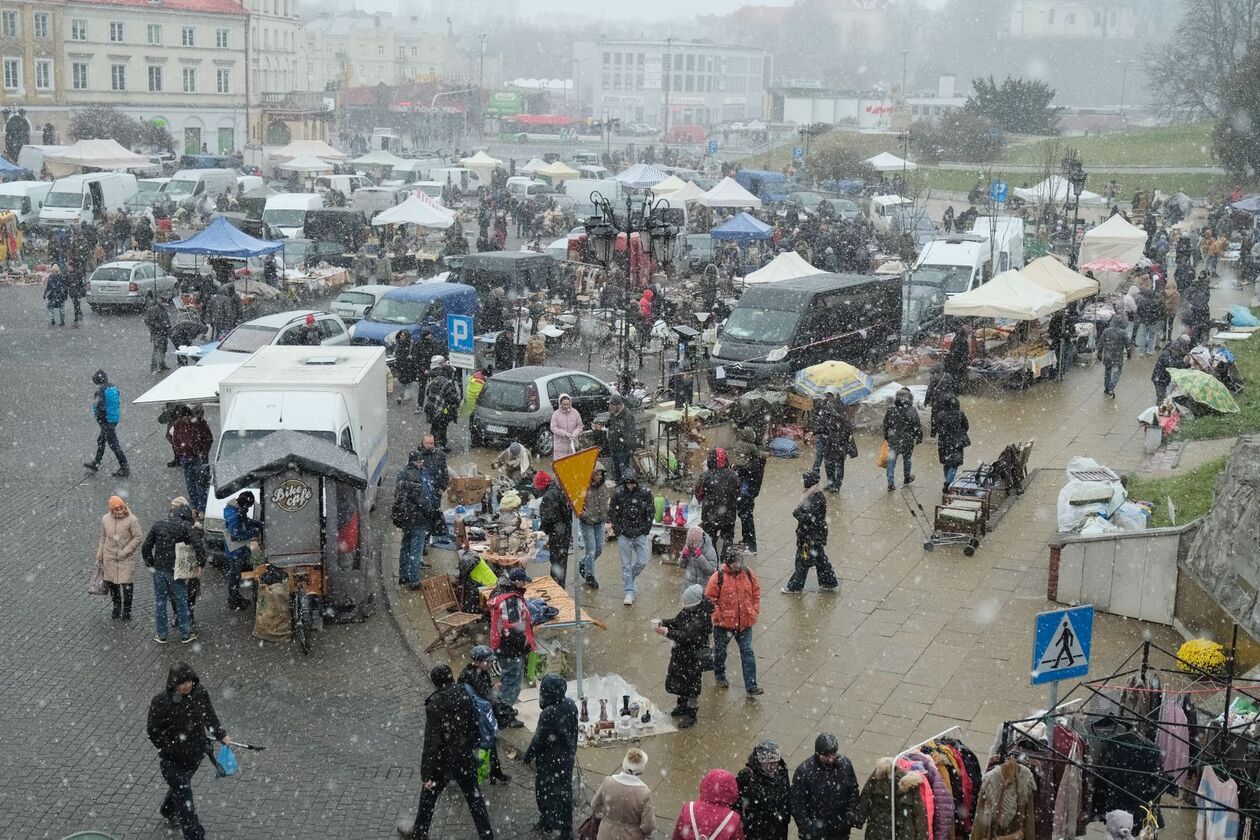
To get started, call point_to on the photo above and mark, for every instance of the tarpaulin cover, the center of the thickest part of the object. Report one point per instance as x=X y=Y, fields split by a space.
x=221 y=239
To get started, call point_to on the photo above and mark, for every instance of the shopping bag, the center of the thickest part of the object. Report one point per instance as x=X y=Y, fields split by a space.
x=225 y=761
x=96 y=583
x=483 y=765
x=589 y=829
x=882 y=460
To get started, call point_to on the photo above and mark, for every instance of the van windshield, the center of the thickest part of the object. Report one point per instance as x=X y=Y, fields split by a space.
x=13 y=202
x=952 y=278
x=180 y=187
x=284 y=218
x=397 y=311
x=236 y=441
x=247 y=338
x=761 y=326
x=64 y=199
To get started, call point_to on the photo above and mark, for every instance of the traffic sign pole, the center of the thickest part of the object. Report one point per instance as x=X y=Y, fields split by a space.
x=574 y=474
x=461 y=353
x=1061 y=649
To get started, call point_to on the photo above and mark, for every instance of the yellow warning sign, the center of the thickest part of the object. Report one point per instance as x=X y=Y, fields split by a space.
x=574 y=472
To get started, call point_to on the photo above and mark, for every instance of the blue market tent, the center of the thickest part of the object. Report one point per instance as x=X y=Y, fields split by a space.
x=743 y=228
x=222 y=239
x=10 y=171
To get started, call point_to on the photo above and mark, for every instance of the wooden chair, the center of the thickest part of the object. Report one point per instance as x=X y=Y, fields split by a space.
x=448 y=620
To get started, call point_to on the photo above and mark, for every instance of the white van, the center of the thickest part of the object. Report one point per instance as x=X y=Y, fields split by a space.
x=344 y=184
x=191 y=187
x=884 y=208
x=593 y=173
x=955 y=263
x=430 y=188
x=410 y=171
x=32 y=157
x=580 y=189
x=1008 y=236
x=372 y=200
x=25 y=198
x=286 y=212
x=521 y=186
x=86 y=197
x=246 y=183
x=463 y=180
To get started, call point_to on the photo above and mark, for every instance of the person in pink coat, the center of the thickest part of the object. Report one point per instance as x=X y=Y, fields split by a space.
x=566 y=428
x=712 y=815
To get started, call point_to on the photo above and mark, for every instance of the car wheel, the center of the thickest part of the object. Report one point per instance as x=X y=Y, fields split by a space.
x=543 y=441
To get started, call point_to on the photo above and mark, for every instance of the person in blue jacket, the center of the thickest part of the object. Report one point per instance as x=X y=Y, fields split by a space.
x=107 y=411
x=238 y=531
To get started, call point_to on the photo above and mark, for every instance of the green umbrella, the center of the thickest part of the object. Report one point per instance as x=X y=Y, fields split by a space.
x=1205 y=389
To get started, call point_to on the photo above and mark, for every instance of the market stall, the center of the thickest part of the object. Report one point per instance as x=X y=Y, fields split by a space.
x=887 y=162
x=640 y=176
x=221 y=239
x=786 y=266
x=298 y=148
x=728 y=193
x=93 y=154
x=1114 y=239
x=1012 y=351
x=482 y=164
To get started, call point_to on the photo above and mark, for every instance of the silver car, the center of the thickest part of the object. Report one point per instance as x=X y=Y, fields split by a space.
x=356 y=303
x=517 y=404
x=126 y=283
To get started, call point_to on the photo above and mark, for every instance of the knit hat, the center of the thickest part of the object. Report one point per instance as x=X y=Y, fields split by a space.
x=437 y=361
x=510 y=500
x=692 y=595
x=481 y=653
x=542 y=480
x=767 y=751
x=628 y=476
x=635 y=762
x=695 y=537
x=826 y=744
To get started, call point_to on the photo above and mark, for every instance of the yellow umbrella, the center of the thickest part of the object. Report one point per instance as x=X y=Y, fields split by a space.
x=849 y=383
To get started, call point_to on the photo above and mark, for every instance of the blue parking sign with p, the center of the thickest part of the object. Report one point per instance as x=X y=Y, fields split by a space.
x=459 y=333
x=798 y=153
x=713 y=147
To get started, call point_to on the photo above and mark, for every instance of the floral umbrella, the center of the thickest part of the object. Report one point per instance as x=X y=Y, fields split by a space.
x=1106 y=264
x=846 y=381
x=1205 y=389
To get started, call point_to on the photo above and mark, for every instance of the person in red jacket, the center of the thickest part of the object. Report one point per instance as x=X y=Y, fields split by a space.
x=736 y=596
x=712 y=816
x=511 y=634
x=192 y=439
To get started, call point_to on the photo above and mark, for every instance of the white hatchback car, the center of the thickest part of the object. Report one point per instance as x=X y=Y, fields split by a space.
x=355 y=304
x=126 y=284
x=280 y=328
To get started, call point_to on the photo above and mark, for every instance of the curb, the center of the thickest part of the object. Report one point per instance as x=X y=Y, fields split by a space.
x=410 y=638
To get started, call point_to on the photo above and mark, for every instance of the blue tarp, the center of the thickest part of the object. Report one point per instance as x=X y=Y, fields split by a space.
x=1250 y=204
x=743 y=228
x=222 y=239
x=7 y=168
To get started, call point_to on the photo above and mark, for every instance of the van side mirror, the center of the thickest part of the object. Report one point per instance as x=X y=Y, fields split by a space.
x=367 y=312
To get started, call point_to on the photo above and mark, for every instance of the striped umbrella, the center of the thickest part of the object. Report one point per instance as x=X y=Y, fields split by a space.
x=841 y=378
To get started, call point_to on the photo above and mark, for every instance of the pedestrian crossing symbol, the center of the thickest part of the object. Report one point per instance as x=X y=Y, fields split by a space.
x=1061 y=644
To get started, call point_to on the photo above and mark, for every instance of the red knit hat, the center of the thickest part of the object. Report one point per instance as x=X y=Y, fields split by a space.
x=719 y=456
x=542 y=480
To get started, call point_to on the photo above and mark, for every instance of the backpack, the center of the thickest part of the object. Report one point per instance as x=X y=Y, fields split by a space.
x=483 y=712
x=695 y=830
x=113 y=404
x=430 y=499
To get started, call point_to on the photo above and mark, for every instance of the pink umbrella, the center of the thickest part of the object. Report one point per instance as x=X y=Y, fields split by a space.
x=1107 y=264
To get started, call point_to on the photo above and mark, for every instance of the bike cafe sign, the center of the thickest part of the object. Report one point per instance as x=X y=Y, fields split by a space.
x=292 y=495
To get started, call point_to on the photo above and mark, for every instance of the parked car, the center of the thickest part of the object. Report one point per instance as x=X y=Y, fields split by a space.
x=917 y=224
x=356 y=304
x=149 y=203
x=638 y=129
x=280 y=328
x=125 y=283
x=808 y=202
x=517 y=404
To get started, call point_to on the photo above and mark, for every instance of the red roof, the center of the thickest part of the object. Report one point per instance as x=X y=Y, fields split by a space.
x=217 y=7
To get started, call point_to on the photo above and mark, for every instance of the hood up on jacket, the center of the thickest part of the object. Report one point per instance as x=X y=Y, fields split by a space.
x=719 y=787
x=551 y=690
x=180 y=672
x=907 y=781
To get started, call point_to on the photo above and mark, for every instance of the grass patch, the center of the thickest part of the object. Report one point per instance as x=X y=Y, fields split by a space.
x=1191 y=493
x=1176 y=145
x=866 y=145
x=1247 y=420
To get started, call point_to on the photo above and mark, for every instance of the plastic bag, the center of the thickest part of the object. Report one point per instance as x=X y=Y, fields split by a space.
x=882 y=460
x=96 y=583
x=225 y=761
x=483 y=765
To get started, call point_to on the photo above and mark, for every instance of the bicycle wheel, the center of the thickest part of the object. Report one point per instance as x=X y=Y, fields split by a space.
x=303 y=621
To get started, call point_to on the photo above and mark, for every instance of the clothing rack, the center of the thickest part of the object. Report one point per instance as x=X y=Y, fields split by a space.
x=892 y=772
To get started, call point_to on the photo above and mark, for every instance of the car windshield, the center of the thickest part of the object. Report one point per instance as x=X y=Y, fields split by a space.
x=284 y=218
x=505 y=396
x=180 y=187
x=399 y=311
x=843 y=205
x=233 y=442
x=354 y=298
x=149 y=199
x=11 y=202
x=64 y=199
x=809 y=199
x=952 y=278
x=247 y=338
x=106 y=273
x=761 y=326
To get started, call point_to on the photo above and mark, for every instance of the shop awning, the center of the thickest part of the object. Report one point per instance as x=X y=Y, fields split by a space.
x=191 y=384
x=93 y=154
x=1009 y=295
x=1049 y=273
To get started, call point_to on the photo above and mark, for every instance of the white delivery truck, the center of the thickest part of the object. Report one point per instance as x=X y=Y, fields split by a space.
x=286 y=212
x=1008 y=238
x=958 y=262
x=86 y=197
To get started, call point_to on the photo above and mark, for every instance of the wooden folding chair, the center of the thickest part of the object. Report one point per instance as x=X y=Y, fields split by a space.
x=448 y=620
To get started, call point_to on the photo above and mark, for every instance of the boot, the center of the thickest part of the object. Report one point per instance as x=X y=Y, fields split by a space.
x=127 y=590
x=116 y=597
x=687 y=719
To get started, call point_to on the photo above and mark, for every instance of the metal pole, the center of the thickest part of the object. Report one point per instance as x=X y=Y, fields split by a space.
x=577 y=618
x=667 y=81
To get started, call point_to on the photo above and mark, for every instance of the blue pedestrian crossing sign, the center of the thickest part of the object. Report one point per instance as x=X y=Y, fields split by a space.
x=998 y=191
x=713 y=147
x=1061 y=644
x=798 y=153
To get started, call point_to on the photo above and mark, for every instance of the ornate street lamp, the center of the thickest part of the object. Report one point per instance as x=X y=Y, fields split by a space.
x=1075 y=174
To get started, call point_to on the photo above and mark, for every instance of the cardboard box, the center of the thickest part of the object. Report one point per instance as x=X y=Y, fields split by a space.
x=467 y=491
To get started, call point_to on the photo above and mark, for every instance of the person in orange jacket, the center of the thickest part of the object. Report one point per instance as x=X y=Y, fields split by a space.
x=736 y=596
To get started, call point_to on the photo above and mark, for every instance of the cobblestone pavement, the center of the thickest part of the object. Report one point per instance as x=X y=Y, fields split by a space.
x=343 y=726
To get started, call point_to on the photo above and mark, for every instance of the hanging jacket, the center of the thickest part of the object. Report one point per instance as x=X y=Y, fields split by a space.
x=1128 y=768
x=765 y=801
x=718 y=794
x=942 y=797
x=1005 y=806
x=875 y=809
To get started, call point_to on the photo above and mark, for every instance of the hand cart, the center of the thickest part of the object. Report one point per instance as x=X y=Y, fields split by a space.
x=962 y=525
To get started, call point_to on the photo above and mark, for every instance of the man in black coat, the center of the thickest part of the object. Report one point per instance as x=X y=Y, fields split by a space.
x=718 y=493
x=555 y=517
x=689 y=631
x=450 y=738
x=902 y=430
x=158 y=321
x=178 y=720
x=825 y=793
x=622 y=436
x=158 y=552
x=750 y=466
x=631 y=511
x=554 y=748
x=440 y=399
x=811 y=539
x=834 y=432
x=476 y=675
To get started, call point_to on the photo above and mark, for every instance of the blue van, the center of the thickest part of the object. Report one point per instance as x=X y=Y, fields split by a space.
x=413 y=308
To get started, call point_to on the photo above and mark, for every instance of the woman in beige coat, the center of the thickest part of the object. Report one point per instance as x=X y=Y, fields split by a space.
x=121 y=536
x=623 y=802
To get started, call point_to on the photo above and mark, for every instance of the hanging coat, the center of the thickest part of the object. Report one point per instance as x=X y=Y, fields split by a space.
x=875 y=810
x=1005 y=806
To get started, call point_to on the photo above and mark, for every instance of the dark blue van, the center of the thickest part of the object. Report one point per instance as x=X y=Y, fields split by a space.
x=413 y=308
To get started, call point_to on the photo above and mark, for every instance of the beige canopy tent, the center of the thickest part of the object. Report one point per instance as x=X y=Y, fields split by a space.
x=728 y=193
x=1114 y=239
x=557 y=172
x=671 y=184
x=1009 y=295
x=380 y=157
x=314 y=148
x=886 y=162
x=482 y=164
x=1051 y=274
x=687 y=193
x=93 y=154
x=786 y=266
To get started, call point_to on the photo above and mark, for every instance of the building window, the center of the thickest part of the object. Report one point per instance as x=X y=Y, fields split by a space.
x=117 y=77
x=78 y=75
x=190 y=79
x=43 y=74
x=9 y=24
x=155 y=34
x=78 y=29
x=155 y=79
x=607 y=59
x=12 y=73
x=117 y=32
x=221 y=38
x=223 y=81
x=42 y=26
x=188 y=36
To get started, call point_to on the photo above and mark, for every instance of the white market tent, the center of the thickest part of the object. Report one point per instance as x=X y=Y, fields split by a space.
x=533 y=166
x=94 y=154
x=314 y=148
x=1055 y=189
x=887 y=162
x=482 y=164
x=688 y=193
x=558 y=171
x=786 y=266
x=306 y=164
x=1114 y=239
x=640 y=176
x=1009 y=295
x=728 y=193
x=670 y=185
x=1051 y=274
x=379 y=157
x=413 y=211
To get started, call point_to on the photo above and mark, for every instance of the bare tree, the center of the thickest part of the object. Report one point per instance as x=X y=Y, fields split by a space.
x=1210 y=40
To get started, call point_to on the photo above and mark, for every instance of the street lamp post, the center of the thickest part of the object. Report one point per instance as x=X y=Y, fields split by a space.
x=602 y=231
x=1076 y=177
x=1124 y=77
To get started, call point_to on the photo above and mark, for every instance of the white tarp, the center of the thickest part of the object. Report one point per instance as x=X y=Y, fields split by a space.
x=482 y=164
x=379 y=157
x=314 y=148
x=1114 y=239
x=686 y=193
x=413 y=211
x=640 y=176
x=886 y=162
x=728 y=193
x=1055 y=189
x=1009 y=295
x=671 y=184
x=533 y=166
x=786 y=266
x=306 y=164
x=191 y=384
x=94 y=154
x=1051 y=274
